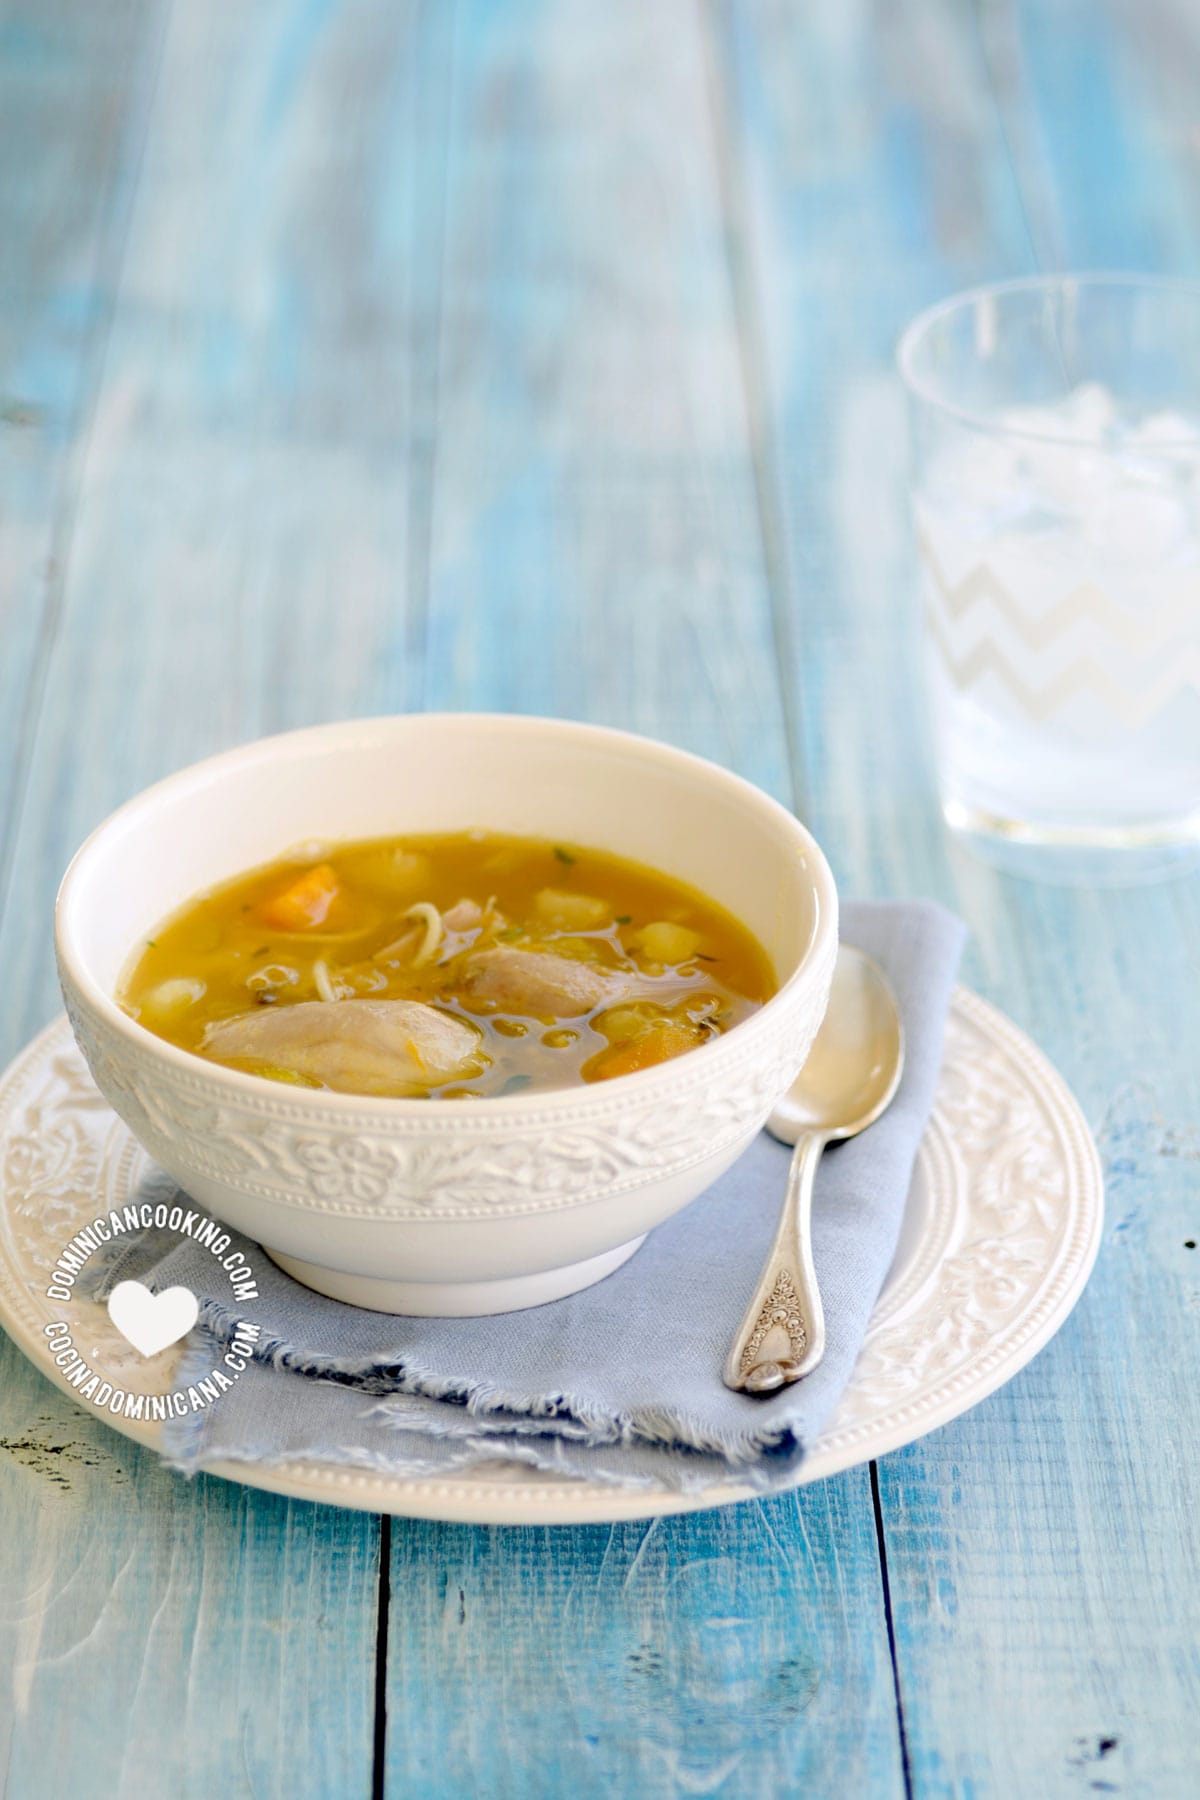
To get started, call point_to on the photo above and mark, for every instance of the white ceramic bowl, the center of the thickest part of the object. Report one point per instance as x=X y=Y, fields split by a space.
x=412 y=1205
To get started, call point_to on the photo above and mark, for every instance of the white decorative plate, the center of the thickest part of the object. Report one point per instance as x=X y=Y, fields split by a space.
x=1000 y=1234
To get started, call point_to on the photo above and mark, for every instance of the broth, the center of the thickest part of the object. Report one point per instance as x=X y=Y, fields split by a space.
x=454 y=966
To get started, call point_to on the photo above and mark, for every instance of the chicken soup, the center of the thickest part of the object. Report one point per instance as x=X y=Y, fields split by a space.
x=450 y=967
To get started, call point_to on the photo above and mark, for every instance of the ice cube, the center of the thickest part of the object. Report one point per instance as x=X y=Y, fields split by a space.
x=1089 y=412
x=1071 y=477
x=1087 y=415
x=1165 y=428
x=1139 y=525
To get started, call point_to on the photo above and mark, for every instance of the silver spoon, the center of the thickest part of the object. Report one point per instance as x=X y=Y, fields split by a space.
x=852 y=1072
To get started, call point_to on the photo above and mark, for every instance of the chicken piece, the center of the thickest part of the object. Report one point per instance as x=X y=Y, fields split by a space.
x=537 y=984
x=464 y=915
x=354 y=1046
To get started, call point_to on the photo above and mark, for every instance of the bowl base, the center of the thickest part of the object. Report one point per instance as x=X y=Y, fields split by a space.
x=455 y=1299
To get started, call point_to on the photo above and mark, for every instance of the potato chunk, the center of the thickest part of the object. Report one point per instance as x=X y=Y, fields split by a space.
x=663 y=942
x=571 y=912
x=392 y=873
x=171 y=997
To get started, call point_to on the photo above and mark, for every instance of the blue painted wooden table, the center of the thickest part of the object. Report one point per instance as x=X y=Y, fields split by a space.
x=366 y=356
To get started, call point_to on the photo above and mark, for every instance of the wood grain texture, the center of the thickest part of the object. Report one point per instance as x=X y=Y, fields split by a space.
x=243 y=468
x=718 y=1653
x=160 y=1636
x=1098 y=107
x=596 y=549
x=433 y=352
x=1036 y=1548
x=74 y=93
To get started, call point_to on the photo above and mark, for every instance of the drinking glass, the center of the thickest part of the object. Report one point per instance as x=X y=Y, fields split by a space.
x=1056 y=493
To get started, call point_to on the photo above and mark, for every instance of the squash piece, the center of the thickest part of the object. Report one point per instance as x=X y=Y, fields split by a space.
x=306 y=903
x=658 y=1045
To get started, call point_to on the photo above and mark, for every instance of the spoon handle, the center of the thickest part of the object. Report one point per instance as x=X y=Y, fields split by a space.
x=787 y=1297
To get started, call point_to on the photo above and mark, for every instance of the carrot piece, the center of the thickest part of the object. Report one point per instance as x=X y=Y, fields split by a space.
x=303 y=905
x=658 y=1045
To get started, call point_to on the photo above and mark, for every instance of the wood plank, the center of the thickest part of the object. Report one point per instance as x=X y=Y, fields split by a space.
x=159 y=1636
x=712 y=1653
x=596 y=549
x=239 y=560
x=861 y=186
x=595 y=541
x=74 y=91
x=1098 y=107
x=1042 y=1550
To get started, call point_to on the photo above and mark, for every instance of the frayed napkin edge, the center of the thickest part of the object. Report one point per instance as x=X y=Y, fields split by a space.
x=491 y=1415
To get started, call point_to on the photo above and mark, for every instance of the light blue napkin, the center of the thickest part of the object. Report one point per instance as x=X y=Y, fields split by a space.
x=620 y=1384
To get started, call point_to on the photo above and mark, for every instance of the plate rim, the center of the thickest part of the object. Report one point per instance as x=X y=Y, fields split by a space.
x=559 y=1501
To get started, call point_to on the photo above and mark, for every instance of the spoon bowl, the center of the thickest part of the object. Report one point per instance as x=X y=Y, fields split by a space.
x=856 y=1060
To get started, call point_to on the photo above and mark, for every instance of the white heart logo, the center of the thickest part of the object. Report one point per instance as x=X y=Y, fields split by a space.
x=151 y=1322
